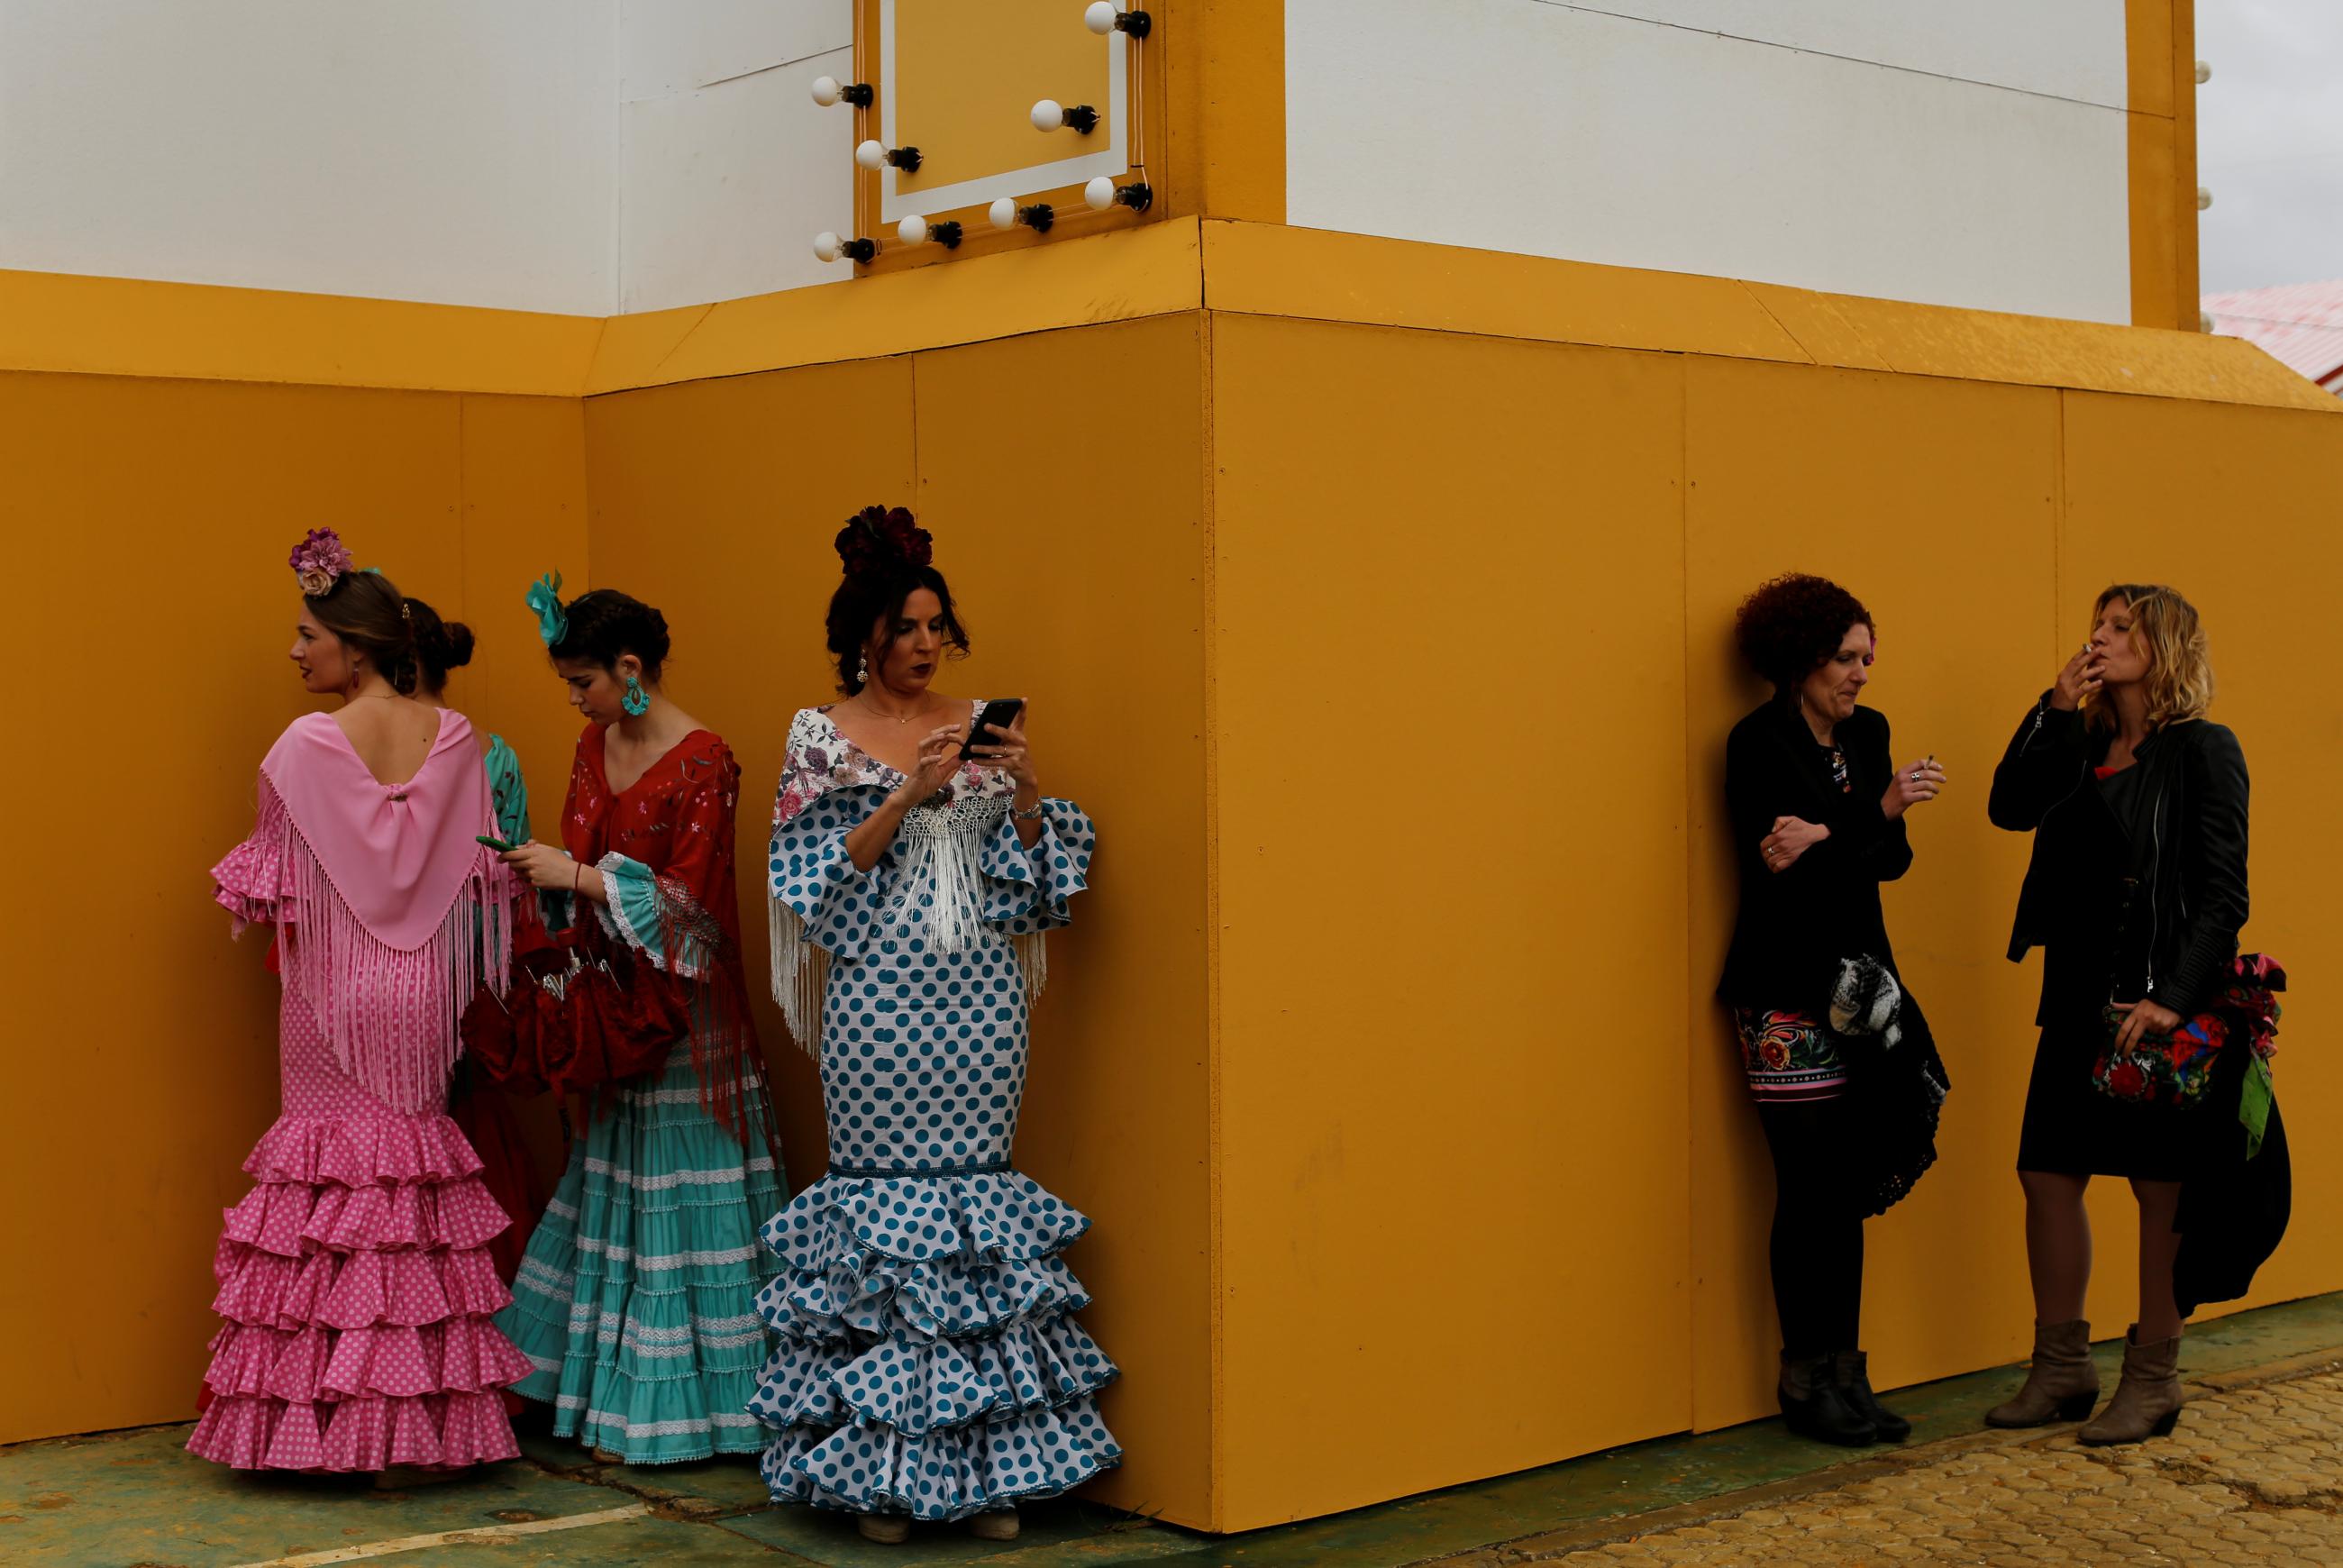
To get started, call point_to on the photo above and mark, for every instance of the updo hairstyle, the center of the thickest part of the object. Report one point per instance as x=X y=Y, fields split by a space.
x=887 y=557
x=605 y=624
x=366 y=611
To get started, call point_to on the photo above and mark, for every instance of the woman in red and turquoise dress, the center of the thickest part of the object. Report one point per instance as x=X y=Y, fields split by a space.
x=636 y=1299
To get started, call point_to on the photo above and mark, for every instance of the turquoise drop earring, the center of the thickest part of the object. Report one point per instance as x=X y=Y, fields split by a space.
x=637 y=701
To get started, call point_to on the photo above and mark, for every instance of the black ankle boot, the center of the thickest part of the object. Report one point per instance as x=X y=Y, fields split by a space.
x=1854 y=1378
x=1814 y=1406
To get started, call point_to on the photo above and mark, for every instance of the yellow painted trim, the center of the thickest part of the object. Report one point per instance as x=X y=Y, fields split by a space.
x=2187 y=288
x=1263 y=270
x=138 y=326
x=126 y=326
x=2160 y=58
x=1152 y=270
x=1226 y=98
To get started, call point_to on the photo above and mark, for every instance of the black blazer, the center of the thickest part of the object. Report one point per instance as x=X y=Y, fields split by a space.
x=1794 y=927
x=2192 y=880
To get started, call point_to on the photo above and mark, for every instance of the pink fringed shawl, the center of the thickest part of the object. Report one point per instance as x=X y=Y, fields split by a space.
x=389 y=913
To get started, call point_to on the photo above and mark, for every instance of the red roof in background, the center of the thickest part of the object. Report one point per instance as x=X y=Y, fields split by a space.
x=2299 y=325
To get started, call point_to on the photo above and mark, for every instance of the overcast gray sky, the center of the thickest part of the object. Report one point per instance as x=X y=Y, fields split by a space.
x=2270 y=142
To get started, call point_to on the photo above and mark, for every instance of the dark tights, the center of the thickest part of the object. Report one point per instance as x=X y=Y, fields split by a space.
x=1816 y=1250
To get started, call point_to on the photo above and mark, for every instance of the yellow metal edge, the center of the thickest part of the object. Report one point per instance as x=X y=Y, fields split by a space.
x=140 y=326
x=1268 y=269
x=1152 y=270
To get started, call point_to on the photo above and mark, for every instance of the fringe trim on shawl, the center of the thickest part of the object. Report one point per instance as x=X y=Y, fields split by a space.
x=691 y=945
x=800 y=975
x=389 y=1016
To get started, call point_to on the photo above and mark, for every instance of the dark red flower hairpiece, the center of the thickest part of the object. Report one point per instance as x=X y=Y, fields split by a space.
x=881 y=539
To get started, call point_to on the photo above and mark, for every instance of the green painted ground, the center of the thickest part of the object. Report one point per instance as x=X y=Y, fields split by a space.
x=136 y=1500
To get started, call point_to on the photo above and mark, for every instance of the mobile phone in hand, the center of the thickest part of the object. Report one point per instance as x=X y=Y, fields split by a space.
x=1000 y=711
x=498 y=845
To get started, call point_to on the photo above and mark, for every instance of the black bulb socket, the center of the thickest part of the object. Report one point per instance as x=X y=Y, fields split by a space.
x=859 y=250
x=862 y=95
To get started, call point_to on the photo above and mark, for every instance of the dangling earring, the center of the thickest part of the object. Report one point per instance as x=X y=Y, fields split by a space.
x=637 y=701
x=862 y=672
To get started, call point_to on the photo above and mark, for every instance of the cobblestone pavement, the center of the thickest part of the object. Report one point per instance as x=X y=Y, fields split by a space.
x=2252 y=1475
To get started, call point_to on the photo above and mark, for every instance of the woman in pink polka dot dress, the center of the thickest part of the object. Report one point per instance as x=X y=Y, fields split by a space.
x=354 y=1278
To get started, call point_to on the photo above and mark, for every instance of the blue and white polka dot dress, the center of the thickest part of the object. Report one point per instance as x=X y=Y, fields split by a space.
x=927 y=1359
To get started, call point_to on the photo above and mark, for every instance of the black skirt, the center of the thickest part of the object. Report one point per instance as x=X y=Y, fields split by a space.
x=2072 y=1128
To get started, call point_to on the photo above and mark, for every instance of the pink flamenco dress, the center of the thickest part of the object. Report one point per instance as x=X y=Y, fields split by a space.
x=355 y=1281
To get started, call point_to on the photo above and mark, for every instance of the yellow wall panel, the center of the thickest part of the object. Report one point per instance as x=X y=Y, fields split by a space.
x=153 y=518
x=1080 y=579
x=1449 y=635
x=1934 y=502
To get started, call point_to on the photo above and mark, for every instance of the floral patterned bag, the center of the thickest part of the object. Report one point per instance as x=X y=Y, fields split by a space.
x=2177 y=1068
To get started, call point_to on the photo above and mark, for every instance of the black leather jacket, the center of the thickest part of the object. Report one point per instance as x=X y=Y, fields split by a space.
x=2191 y=871
x=1794 y=927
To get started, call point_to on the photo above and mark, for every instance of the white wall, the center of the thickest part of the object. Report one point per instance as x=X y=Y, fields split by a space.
x=1969 y=153
x=730 y=169
x=462 y=151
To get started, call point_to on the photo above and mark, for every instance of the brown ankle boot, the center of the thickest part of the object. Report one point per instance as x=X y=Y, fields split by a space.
x=2060 y=1385
x=2147 y=1400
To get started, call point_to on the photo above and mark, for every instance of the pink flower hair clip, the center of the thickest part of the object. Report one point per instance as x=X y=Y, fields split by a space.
x=320 y=561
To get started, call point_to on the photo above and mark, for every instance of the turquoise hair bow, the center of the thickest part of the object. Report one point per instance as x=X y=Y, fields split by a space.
x=545 y=598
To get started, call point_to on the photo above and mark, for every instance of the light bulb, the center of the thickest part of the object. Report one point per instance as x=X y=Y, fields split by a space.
x=2203 y=198
x=1100 y=193
x=828 y=246
x=2204 y=72
x=1049 y=116
x=1100 y=18
x=872 y=154
x=1003 y=213
x=826 y=91
x=913 y=230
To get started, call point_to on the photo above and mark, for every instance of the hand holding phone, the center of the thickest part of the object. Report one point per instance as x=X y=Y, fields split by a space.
x=999 y=710
x=498 y=845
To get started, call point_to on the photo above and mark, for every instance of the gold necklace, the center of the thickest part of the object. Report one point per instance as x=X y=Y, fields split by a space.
x=876 y=711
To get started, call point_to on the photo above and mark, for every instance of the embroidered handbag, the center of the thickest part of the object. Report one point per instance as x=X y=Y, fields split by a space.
x=2176 y=1068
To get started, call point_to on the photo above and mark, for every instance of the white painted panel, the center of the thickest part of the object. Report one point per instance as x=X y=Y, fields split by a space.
x=449 y=150
x=724 y=189
x=2060 y=48
x=677 y=46
x=1515 y=124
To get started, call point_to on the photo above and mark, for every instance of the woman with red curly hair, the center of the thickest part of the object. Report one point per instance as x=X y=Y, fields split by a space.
x=1839 y=1060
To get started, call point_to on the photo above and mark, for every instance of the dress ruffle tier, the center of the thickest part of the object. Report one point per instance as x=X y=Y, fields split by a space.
x=635 y=1303
x=357 y=1290
x=927 y=1359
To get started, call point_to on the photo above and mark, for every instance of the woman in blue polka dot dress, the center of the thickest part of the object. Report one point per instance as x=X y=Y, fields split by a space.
x=927 y=1364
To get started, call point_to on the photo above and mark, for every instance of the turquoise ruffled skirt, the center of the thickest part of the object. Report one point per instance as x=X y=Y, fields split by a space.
x=636 y=1303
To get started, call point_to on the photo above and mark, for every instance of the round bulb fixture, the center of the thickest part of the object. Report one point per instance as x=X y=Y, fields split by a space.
x=827 y=246
x=1049 y=114
x=875 y=155
x=1003 y=213
x=2204 y=72
x=2203 y=198
x=826 y=91
x=913 y=230
x=2204 y=321
x=1104 y=18
x=1103 y=193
